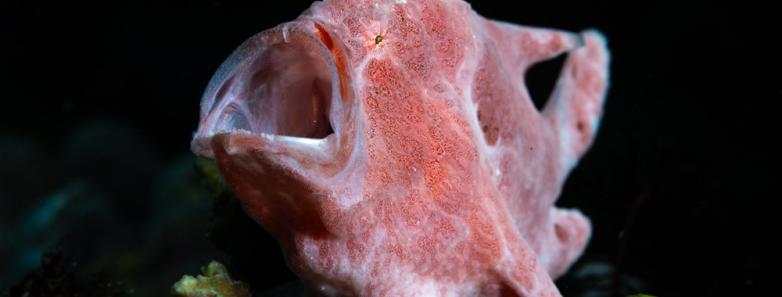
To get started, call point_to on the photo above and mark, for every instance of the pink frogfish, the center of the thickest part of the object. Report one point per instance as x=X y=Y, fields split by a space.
x=392 y=148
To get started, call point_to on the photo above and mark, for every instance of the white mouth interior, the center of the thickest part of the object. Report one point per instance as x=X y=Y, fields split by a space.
x=285 y=91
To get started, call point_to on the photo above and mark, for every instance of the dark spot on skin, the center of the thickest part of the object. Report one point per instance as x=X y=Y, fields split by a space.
x=490 y=131
x=507 y=291
x=561 y=233
x=580 y=126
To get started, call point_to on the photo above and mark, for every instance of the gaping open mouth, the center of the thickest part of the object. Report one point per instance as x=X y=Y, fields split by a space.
x=281 y=83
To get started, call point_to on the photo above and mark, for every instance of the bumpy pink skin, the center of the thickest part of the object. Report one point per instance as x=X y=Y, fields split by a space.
x=414 y=164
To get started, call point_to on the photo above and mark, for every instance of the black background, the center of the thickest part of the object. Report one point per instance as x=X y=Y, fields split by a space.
x=679 y=181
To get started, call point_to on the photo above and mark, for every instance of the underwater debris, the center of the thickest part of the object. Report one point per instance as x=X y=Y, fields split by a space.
x=214 y=282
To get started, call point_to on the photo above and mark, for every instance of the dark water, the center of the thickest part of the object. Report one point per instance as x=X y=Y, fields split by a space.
x=99 y=101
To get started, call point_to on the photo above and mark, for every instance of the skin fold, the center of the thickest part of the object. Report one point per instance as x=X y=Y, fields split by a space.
x=392 y=148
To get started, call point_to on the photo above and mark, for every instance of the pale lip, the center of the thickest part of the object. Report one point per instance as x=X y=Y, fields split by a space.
x=281 y=85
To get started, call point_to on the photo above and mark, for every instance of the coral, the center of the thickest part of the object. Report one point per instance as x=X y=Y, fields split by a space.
x=214 y=282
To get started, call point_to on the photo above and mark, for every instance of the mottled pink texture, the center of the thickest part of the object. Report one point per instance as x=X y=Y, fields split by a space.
x=393 y=150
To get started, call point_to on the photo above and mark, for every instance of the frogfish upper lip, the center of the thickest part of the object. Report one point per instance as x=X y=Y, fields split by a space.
x=283 y=84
